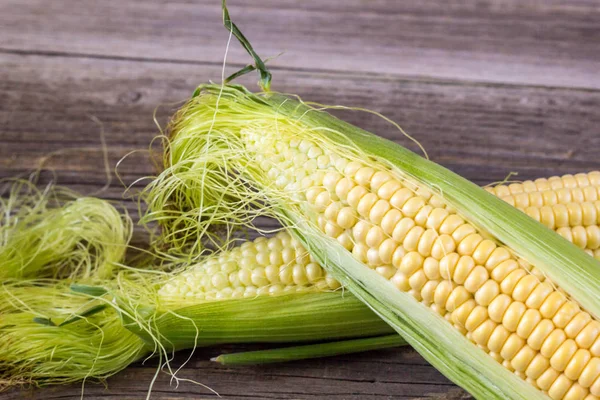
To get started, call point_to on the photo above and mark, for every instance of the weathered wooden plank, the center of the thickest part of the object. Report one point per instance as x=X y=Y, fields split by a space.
x=46 y=104
x=554 y=43
x=336 y=377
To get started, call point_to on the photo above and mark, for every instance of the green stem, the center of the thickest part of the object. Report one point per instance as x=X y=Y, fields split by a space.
x=310 y=351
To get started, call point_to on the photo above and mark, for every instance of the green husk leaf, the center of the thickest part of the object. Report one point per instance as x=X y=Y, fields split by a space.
x=318 y=350
x=88 y=313
x=265 y=75
x=43 y=321
x=264 y=319
x=92 y=291
x=437 y=341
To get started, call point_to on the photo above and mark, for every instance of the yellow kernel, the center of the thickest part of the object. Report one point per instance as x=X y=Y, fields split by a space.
x=577 y=363
x=547 y=217
x=457 y=297
x=359 y=251
x=343 y=188
x=401 y=197
x=561 y=215
x=355 y=195
x=513 y=315
x=378 y=211
x=482 y=334
x=588 y=335
x=351 y=168
x=332 y=210
x=547 y=378
x=448 y=265
x=426 y=242
x=487 y=292
x=525 y=287
x=483 y=251
x=299 y=275
x=378 y=179
x=363 y=175
x=411 y=241
x=593 y=237
x=314 y=272
x=442 y=292
x=346 y=241
x=577 y=324
x=460 y=314
x=575 y=214
x=511 y=347
x=499 y=255
x=374 y=237
x=539 y=295
x=373 y=258
x=400 y=281
x=412 y=206
x=476 y=318
x=258 y=277
x=360 y=231
x=537 y=366
x=428 y=291
x=451 y=224
x=497 y=339
x=365 y=204
x=417 y=280
x=562 y=356
x=389 y=221
x=463 y=232
x=523 y=358
x=577 y=392
x=498 y=307
x=399 y=254
x=431 y=266
x=387 y=190
x=402 y=228
x=386 y=271
x=476 y=279
x=531 y=318
x=590 y=373
x=463 y=268
x=553 y=342
x=411 y=262
x=436 y=218
x=386 y=250
x=559 y=388
x=442 y=246
x=565 y=314
x=346 y=218
x=508 y=284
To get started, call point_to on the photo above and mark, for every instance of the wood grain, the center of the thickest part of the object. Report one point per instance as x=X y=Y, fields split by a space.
x=487 y=87
x=552 y=43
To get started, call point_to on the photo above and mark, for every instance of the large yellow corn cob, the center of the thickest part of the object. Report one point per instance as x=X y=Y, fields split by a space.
x=411 y=238
x=390 y=222
x=281 y=265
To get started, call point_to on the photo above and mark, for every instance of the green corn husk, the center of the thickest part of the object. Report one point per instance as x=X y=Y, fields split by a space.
x=310 y=351
x=51 y=335
x=208 y=172
x=55 y=233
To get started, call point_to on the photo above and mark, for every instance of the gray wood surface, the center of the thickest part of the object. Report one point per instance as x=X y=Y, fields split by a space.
x=488 y=88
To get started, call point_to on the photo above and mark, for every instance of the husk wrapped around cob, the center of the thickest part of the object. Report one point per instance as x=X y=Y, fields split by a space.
x=233 y=155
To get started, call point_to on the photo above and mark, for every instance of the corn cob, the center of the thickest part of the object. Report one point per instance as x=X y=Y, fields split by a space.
x=383 y=213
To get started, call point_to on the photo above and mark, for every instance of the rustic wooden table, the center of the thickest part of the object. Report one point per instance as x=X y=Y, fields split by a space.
x=488 y=87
